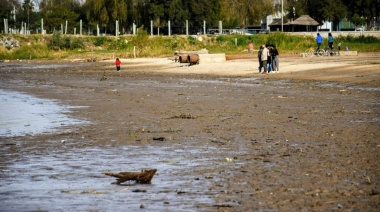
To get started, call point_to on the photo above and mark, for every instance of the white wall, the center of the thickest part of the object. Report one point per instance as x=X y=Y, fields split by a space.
x=326 y=26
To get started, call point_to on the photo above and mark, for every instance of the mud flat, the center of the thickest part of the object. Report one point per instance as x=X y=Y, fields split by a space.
x=221 y=136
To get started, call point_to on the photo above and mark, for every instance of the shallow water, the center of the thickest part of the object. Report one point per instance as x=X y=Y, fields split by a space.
x=23 y=114
x=73 y=180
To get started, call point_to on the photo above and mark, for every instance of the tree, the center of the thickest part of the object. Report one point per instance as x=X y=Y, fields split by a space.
x=156 y=12
x=106 y=12
x=357 y=20
x=247 y=12
x=333 y=11
x=177 y=12
x=57 y=12
x=368 y=9
x=203 y=10
x=138 y=12
x=28 y=8
x=7 y=11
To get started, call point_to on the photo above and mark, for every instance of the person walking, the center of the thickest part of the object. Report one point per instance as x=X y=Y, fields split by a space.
x=259 y=53
x=275 y=59
x=264 y=58
x=318 y=39
x=117 y=63
x=339 y=44
x=330 y=40
x=250 y=48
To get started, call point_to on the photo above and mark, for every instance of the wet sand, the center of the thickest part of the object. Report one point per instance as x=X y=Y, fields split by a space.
x=222 y=136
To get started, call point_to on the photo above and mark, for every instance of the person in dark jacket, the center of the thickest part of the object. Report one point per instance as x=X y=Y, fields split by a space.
x=259 y=57
x=275 y=59
x=269 y=61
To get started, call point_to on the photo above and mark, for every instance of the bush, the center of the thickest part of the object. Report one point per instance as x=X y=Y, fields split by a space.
x=119 y=44
x=59 y=42
x=221 y=39
x=99 y=41
x=141 y=40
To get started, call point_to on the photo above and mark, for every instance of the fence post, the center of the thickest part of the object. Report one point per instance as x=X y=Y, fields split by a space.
x=169 y=28
x=66 y=28
x=220 y=27
x=204 y=27
x=151 y=28
x=187 y=27
x=117 y=28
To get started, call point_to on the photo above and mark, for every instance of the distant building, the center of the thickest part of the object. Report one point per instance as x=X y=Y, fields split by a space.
x=304 y=23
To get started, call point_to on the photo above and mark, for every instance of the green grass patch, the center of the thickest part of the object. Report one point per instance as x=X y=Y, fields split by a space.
x=58 y=46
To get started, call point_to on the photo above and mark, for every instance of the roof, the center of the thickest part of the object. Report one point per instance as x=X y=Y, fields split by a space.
x=277 y=22
x=305 y=20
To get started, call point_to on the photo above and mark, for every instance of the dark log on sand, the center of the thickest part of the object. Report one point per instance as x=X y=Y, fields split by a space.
x=145 y=176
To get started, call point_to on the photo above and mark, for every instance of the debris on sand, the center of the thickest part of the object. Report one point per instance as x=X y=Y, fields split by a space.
x=144 y=177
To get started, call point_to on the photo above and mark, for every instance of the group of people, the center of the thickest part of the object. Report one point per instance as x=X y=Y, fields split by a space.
x=268 y=59
x=330 y=40
x=268 y=55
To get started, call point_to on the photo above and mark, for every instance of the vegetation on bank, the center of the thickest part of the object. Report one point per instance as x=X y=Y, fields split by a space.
x=58 y=46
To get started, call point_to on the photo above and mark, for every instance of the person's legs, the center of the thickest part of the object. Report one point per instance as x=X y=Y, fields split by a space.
x=265 y=66
x=318 y=46
x=277 y=64
x=274 y=64
x=260 y=65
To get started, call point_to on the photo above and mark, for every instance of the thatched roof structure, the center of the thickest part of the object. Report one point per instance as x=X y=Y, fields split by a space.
x=303 y=23
x=305 y=20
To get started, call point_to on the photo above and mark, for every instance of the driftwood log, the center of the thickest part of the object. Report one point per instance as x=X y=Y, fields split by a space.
x=145 y=176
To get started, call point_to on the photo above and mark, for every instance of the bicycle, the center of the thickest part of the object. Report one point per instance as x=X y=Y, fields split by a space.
x=311 y=52
x=329 y=51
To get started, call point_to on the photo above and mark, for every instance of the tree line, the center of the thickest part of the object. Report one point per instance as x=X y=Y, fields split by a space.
x=233 y=13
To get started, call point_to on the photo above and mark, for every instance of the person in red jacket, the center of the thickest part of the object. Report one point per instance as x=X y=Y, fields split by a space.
x=117 y=63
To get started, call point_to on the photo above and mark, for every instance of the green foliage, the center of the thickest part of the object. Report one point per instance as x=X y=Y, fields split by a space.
x=176 y=43
x=106 y=12
x=4 y=54
x=191 y=39
x=103 y=78
x=26 y=52
x=359 y=39
x=38 y=46
x=59 y=42
x=141 y=40
x=56 y=41
x=76 y=43
x=238 y=40
x=221 y=38
x=100 y=41
x=119 y=44
x=57 y=12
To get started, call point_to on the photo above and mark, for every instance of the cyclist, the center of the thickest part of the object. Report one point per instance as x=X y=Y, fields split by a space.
x=318 y=39
x=330 y=39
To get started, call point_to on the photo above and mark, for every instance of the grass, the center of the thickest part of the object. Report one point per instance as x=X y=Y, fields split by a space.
x=58 y=46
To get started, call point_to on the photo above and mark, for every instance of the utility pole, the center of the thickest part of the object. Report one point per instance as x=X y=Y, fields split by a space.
x=282 y=15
